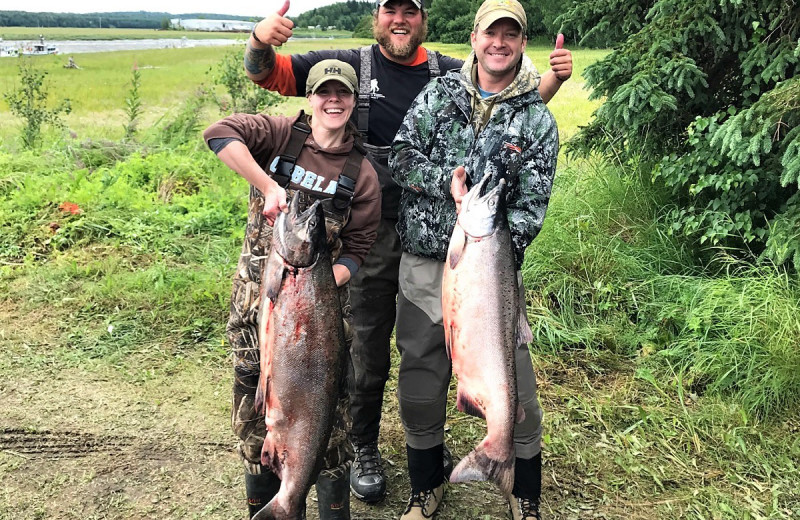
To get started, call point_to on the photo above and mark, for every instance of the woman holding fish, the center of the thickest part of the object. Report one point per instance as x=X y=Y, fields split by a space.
x=461 y=296
x=288 y=424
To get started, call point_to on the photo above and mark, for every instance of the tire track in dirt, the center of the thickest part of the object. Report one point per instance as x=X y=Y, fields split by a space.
x=58 y=445
x=51 y=445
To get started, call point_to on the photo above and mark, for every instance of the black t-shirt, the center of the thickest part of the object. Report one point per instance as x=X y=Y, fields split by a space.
x=393 y=86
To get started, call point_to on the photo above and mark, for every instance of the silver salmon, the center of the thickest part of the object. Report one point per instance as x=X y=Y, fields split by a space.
x=483 y=325
x=301 y=342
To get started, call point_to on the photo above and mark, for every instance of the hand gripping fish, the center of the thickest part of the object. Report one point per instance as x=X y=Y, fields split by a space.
x=301 y=343
x=483 y=325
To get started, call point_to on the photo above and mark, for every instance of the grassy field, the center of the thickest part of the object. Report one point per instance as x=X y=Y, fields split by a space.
x=71 y=33
x=670 y=390
x=98 y=89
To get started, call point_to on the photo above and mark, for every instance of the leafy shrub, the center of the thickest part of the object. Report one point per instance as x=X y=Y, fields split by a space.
x=244 y=95
x=29 y=102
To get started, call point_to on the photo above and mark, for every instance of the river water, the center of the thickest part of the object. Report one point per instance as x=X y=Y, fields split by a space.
x=77 y=46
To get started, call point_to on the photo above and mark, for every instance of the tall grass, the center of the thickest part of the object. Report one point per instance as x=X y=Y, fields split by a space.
x=605 y=275
x=738 y=335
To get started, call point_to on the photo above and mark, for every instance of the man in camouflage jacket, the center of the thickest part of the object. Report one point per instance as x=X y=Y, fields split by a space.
x=487 y=119
x=511 y=135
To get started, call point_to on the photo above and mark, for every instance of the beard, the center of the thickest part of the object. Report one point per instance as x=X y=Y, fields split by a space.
x=400 y=52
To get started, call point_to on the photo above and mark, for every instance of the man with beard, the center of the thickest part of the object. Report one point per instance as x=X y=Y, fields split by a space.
x=391 y=74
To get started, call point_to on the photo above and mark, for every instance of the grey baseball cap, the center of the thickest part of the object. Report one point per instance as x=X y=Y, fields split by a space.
x=419 y=3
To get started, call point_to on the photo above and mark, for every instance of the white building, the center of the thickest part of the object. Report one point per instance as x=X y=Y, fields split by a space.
x=196 y=24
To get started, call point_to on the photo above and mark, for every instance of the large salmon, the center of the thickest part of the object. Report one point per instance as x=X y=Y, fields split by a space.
x=301 y=342
x=483 y=325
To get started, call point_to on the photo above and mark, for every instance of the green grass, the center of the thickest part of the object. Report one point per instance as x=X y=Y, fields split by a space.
x=95 y=34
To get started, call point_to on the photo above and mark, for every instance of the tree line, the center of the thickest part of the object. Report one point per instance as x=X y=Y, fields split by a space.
x=126 y=20
x=342 y=15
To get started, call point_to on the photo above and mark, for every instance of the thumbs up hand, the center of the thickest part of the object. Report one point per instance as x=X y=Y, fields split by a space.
x=560 y=60
x=275 y=29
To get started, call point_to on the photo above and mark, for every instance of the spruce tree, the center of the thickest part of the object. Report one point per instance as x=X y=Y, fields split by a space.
x=706 y=95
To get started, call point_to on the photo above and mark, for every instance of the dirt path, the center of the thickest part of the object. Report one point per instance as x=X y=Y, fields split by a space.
x=86 y=440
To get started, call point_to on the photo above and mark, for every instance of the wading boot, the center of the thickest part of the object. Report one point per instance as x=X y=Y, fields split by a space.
x=423 y=505
x=426 y=473
x=523 y=508
x=333 y=495
x=524 y=498
x=367 y=481
x=260 y=489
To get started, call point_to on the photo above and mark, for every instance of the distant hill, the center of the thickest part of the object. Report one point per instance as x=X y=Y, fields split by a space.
x=123 y=19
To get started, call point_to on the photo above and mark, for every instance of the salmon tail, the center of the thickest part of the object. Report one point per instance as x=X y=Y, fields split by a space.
x=281 y=507
x=467 y=404
x=478 y=466
x=272 y=511
x=524 y=333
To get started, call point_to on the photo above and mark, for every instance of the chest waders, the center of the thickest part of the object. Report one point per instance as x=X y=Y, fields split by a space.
x=373 y=293
x=242 y=331
x=379 y=155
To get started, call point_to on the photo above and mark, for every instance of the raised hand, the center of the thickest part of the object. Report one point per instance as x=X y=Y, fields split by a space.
x=275 y=29
x=274 y=201
x=561 y=60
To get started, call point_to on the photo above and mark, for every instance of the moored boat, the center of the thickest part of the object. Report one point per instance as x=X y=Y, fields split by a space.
x=38 y=49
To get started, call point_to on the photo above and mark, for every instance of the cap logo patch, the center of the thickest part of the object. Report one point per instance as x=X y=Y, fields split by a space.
x=333 y=70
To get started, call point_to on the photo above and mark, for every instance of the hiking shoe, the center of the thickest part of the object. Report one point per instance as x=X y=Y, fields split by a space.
x=424 y=504
x=447 y=459
x=523 y=508
x=366 y=476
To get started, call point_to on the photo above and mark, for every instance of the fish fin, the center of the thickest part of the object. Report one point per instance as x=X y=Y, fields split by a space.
x=270 y=458
x=524 y=333
x=448 y=334
x=261 y=392
x=520 y=413
x=457 y=244
x=467 y=404
x=478 y=466
x=272 y=277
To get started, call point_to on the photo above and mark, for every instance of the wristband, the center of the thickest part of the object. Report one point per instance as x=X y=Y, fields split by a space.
x=253 y=34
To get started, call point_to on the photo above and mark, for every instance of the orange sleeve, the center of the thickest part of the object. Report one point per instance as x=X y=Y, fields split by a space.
x=281 y=79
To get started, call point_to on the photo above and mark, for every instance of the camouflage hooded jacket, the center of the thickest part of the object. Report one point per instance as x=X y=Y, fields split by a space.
x=509 y=135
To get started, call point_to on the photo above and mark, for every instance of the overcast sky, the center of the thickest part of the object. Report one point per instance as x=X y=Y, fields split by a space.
x=236 y=7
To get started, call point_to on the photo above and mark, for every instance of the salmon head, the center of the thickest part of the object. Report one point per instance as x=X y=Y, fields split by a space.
x=299 y=236
x=483 y=213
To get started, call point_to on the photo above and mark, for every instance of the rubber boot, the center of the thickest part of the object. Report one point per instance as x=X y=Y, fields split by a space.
x=260 y=489
x=333 y=494
x=528 y=478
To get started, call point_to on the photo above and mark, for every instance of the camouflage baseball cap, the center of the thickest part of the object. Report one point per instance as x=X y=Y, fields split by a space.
x=492 y=10
x=327 y=70
x=419 y=3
